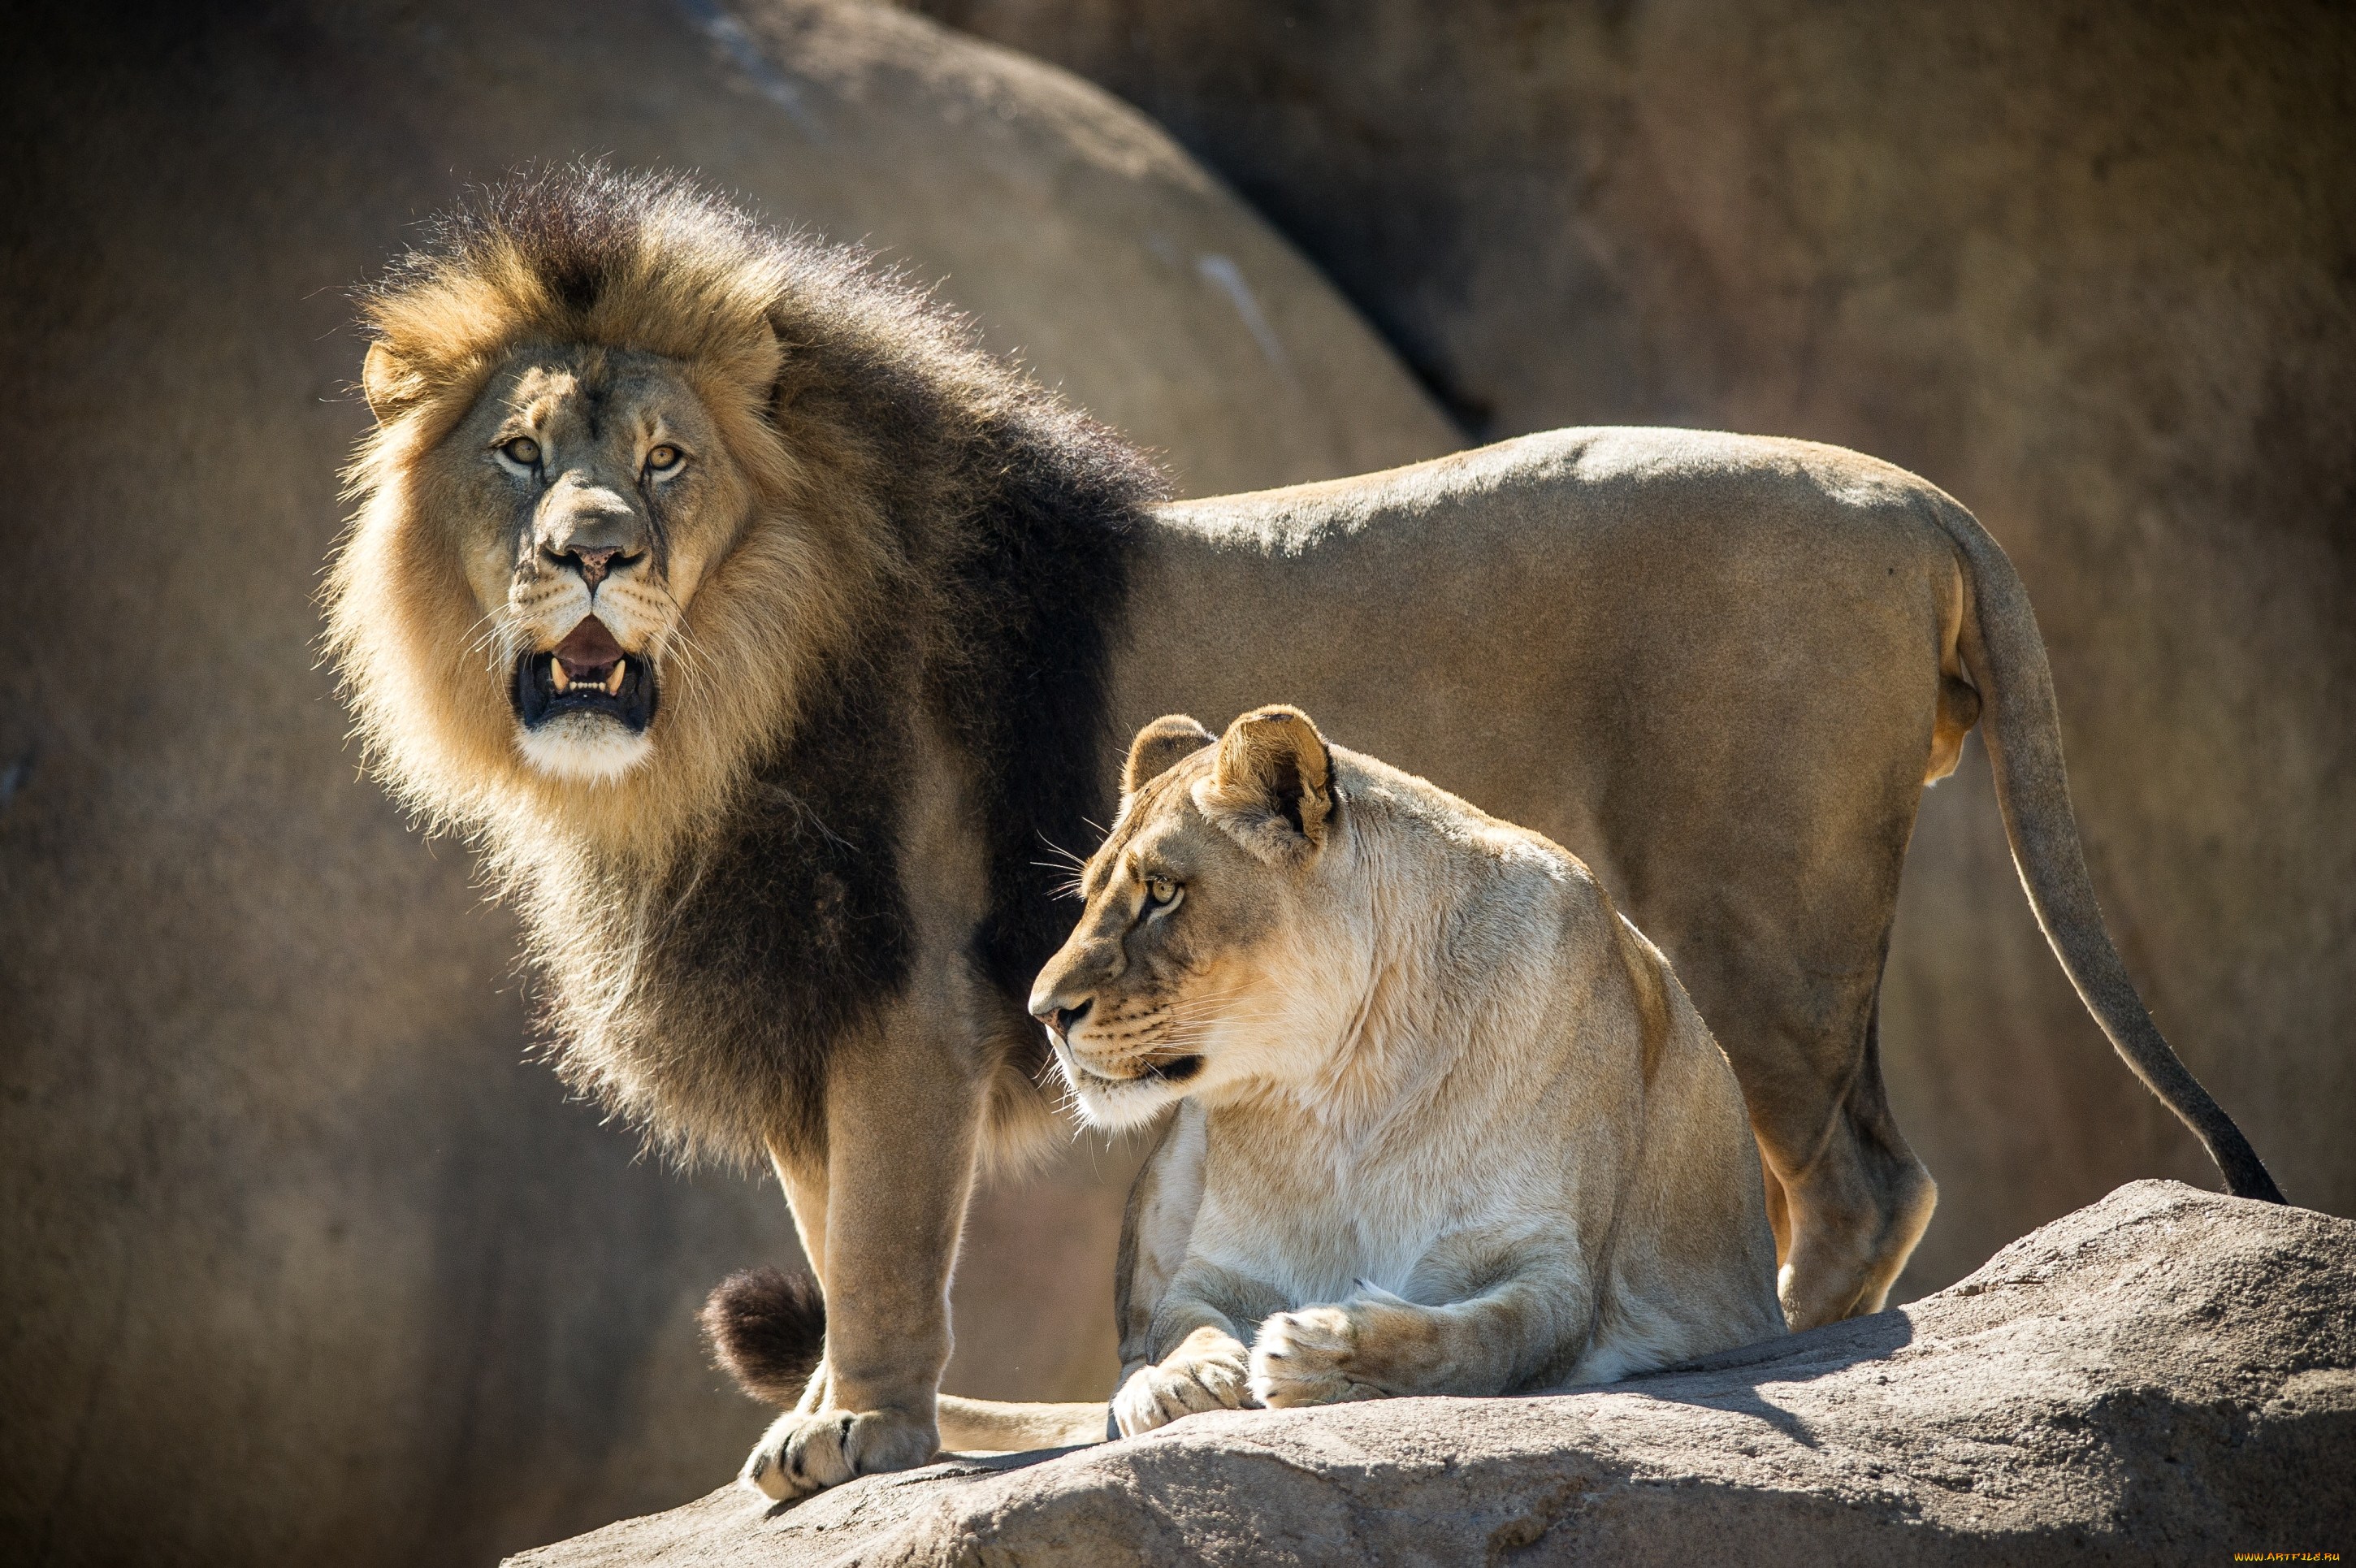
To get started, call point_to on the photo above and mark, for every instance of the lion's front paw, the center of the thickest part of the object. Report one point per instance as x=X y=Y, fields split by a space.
x=1207 y=1371
x=1308 y=1357
x=804 y=1452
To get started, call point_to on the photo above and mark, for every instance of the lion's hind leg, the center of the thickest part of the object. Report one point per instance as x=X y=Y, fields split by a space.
x=1800 y=1023
x=1849 y=1219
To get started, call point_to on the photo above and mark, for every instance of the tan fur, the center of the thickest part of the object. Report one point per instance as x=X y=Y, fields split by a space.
x=1720 y=667
x=1449 y=1124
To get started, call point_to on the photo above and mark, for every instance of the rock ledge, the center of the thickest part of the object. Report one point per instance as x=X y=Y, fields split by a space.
x=2165 y=1376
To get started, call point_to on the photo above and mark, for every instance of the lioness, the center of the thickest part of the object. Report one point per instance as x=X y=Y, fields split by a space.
x=759 y=630
x=1450 y=1125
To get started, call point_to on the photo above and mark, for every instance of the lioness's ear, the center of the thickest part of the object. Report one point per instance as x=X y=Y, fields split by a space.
x=1160 y=747
x=1273 y=785
x=381 y=382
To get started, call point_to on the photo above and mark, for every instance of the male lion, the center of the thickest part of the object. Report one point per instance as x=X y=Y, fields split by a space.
x=1448 y=1124
x=763 y=633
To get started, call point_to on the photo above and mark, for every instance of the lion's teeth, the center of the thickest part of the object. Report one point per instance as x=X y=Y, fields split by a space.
x=613 y=681
x=556 y=671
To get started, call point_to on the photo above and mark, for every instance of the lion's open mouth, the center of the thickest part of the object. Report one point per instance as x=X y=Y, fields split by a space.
x=586 y=673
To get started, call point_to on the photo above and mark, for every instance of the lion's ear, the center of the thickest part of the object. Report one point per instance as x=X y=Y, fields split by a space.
x=1160 y=747
x=381 y=382
x=1273 y=785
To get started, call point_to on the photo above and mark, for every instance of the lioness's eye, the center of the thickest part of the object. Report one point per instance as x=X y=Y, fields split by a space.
x=523 y=450
x=1160 y=890
x=664 y=458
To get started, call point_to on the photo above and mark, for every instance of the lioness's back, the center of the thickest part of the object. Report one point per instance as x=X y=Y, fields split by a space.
x=1696 y=1273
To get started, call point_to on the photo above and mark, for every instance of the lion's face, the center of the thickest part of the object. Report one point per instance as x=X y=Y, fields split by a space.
x=586 y=493
x=616 y=524
x=1214 y=946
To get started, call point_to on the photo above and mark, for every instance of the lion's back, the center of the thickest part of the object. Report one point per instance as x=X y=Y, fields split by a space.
x=1595 y=482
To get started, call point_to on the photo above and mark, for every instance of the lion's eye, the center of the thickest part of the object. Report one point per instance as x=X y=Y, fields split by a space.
x=1160 y=892
x=522 y=450
x=664 y=458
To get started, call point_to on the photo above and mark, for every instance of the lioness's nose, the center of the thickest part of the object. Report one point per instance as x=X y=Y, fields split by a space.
x=1060 y=1014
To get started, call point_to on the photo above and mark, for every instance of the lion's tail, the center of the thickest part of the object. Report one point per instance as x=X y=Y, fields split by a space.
x=768 y=1330
x=2005 y=656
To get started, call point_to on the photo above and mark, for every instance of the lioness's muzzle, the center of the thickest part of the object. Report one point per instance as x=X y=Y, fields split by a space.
x=1177 y=1070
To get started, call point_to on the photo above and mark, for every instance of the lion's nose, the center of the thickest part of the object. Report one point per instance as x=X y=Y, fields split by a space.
x=591 y=528
x=592 y=564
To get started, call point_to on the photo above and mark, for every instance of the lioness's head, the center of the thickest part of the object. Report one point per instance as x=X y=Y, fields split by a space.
x=599 y=539
x=1219 y=946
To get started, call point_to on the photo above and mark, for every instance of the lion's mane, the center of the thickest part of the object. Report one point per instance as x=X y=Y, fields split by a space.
x=716 y=922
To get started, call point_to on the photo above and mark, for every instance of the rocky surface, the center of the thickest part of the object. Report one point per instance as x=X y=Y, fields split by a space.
x=284 y=1198
x=2166 y=1376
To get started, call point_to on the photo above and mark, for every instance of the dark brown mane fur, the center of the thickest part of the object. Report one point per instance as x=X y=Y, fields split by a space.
x=993 y=522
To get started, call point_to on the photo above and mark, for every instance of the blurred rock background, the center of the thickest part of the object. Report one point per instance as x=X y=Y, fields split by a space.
x=304 y=1261
x=2090 y=267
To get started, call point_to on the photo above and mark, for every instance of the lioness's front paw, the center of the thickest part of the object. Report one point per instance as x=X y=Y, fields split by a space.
x=1207 y=1371
x=1308 y=1357
x=803 y=1452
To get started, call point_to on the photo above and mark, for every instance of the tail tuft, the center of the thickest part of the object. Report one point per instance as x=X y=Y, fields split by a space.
x=767 y=1330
